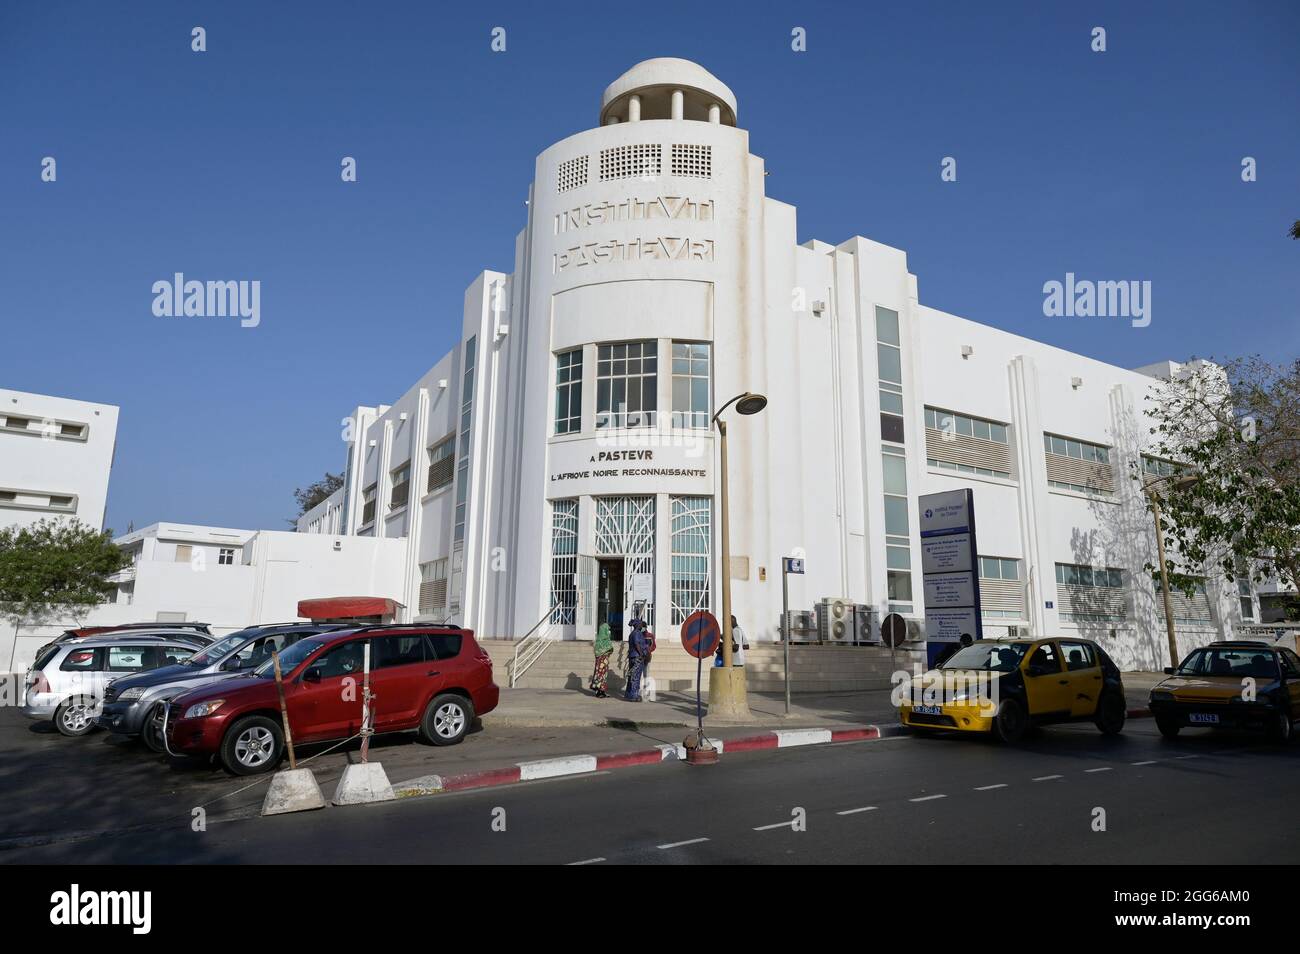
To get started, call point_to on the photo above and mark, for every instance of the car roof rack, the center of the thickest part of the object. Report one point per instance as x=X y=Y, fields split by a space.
x=371 y=627
x=133 y=634
x=293 y=622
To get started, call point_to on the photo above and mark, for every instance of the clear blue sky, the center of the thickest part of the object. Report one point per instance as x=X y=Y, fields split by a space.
x=225 y=165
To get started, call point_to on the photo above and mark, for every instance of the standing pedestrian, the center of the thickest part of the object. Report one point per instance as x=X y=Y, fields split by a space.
x=642 y=645
x=603 y=647
x=738 y=644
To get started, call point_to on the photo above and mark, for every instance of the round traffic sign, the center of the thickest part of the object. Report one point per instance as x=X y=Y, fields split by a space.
x=893 y=630
x=700 y=634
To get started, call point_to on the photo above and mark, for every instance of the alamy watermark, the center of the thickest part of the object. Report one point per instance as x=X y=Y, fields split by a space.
x=195 y=299
x=1084 y=298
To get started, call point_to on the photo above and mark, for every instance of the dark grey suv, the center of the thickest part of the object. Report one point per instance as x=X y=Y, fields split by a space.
x=134 y=705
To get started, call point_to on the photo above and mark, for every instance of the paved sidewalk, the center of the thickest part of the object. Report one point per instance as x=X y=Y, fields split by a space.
x=554 y=708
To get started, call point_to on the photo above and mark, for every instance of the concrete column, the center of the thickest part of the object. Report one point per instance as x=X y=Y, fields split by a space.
x=634 y=109
x=679 y=104
x=715 y=114
x=611 y=120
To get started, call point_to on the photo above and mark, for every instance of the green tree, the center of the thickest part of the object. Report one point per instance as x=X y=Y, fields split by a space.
x=1237 y=428
x=313 y=494
x=55 y=567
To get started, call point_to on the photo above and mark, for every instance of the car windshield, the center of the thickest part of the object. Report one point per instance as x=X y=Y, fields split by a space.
x=1235 y=662
x=994 y=657
x=219 y=649
x=290 y=657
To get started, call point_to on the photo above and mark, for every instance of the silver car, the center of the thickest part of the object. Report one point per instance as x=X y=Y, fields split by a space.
x=66 y=682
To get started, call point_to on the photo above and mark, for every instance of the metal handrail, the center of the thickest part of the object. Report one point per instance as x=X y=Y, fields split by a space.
x=530 y=651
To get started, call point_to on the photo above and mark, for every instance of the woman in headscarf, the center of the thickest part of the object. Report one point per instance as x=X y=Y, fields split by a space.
x=642 y=645
x=603 y=648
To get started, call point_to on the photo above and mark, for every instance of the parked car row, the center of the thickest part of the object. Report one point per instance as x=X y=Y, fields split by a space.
x=186 y=694
x=1005 y=687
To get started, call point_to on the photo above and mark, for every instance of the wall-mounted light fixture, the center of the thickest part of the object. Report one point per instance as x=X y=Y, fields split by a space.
x=1076 y=383
x=967 y=351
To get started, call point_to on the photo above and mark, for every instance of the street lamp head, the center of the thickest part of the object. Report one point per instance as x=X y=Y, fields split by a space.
x=751 y=404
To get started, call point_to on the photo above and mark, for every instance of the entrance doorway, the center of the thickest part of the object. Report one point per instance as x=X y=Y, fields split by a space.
x=610 y=595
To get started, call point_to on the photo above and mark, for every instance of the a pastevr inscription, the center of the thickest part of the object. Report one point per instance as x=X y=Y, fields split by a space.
x=663 y=248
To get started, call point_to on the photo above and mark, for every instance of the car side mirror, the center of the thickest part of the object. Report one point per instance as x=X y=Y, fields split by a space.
x=1169 y=670
x=311 y=675
x=230 y=665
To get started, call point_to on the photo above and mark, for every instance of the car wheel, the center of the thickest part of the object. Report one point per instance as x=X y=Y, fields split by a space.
x=151 y=730
x=1282 y=730
x=1111 y=713
x=1168 y=728
x=76 y=716
x=253 y=745
x=1010 y=721
x=446 y=720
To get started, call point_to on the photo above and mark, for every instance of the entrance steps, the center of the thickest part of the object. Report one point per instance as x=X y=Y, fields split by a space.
x=567 y=664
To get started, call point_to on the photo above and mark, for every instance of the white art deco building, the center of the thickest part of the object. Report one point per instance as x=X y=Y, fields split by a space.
x=558 y=463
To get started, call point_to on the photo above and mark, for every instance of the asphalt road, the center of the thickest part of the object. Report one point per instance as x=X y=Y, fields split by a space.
x=1204 y=798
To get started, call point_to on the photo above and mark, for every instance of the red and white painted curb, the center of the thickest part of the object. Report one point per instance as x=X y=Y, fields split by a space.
x=586 y=764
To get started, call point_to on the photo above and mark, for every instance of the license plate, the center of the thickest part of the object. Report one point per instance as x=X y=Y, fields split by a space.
x=928 y=710
x=1208 y=718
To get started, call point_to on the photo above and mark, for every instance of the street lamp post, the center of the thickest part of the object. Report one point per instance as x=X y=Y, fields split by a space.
x=727 y=698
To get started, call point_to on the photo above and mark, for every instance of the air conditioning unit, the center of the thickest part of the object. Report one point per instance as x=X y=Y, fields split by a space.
x=865 y=628
x=802 y=626
x=835 y=620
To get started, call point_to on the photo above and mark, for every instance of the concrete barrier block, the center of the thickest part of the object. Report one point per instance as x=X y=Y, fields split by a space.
x=292 y=790
x=363 y=783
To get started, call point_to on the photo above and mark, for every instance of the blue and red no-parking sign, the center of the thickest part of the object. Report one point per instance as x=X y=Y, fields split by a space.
x=700 y=634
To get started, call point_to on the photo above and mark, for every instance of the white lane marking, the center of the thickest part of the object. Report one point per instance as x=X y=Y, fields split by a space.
x=785 y=824
x=854 y=811
x=1046 y=778
x=989 y=788
x=679 y=844
x=1104 y=768
x=1149 y=762
x=926 y=798
x=589 y=861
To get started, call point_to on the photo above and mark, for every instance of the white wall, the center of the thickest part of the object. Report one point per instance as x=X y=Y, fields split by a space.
x=39 y=461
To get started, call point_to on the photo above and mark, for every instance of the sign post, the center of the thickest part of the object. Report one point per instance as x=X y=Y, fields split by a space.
x=700 y=634
x=893 y=630
x=788 y=565
x=950 y=569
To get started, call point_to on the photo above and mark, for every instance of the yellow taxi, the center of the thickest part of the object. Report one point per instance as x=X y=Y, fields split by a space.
x=1005 y=686
x=1231 y=684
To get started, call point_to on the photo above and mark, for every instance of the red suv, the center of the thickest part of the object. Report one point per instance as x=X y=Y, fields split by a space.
x=430 y=678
